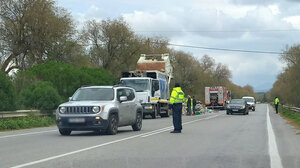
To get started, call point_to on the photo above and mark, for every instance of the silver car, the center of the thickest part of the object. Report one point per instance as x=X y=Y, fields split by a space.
x=100 y=108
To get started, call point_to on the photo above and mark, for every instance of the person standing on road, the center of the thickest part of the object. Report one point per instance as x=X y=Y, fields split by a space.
x=194 y=102
x=188 y=105
x=276 y=102
x=176 y=100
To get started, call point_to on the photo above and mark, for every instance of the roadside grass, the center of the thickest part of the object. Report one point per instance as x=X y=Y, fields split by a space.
x=291 y=116
x=26 y=122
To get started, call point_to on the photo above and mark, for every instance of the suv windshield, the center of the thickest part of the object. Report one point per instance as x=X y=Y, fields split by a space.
x=93 y=94
x=139 y=85
x=237 y=101
x=248 y=99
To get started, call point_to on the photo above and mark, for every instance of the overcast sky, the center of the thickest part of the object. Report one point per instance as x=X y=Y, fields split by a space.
x=264 y=25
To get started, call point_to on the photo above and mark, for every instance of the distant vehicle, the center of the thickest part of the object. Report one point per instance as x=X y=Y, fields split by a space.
x=100 y=108
x=217 y=97
x=250 y=101
x=237 y=106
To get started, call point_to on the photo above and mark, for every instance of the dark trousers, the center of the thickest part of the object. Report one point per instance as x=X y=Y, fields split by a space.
x=188 y=110
x=177 y=121
x=276 y=107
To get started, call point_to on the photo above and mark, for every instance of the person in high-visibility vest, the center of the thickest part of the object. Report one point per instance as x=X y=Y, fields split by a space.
x=276 y=102
x=176 y=100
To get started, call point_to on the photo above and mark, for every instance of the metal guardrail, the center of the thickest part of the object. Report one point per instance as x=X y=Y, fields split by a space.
x=295 y=109
x=24 y=113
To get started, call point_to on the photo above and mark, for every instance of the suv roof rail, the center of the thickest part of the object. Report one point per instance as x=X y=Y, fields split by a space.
x=85 y=85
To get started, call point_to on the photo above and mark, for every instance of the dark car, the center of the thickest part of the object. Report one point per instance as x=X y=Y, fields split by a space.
x=237 y=106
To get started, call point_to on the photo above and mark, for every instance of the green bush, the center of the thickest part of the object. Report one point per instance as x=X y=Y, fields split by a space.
x=97 y=76
x=7 y=93
x=64 y=77
x=26 y=122
x=41 y=96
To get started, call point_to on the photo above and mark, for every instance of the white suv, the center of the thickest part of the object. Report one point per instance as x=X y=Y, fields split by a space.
x=100 y=108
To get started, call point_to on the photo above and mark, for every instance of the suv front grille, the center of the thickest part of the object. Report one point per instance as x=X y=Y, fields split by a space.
x=79 y=110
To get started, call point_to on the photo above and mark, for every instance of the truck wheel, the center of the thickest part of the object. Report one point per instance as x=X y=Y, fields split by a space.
x=65 y=131
x=138 y=123
x=112 y=125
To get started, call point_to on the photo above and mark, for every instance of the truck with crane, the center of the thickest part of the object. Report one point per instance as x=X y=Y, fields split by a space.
x=151 y=81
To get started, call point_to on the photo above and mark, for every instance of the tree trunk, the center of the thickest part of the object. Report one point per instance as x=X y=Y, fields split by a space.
x=6 y=63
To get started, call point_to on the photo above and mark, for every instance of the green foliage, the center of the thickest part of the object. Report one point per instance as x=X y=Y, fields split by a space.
x=7 y=93
x=294 y=116
x=97 y=76
x=64 y=77
x=26 y=122
x=41 y=96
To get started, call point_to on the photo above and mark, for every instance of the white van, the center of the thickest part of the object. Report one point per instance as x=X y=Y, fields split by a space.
x=250 y=101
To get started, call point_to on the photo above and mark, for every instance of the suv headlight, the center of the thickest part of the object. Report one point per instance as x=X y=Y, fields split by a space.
x=96 y=109
x=62 y=109
x=243 y=107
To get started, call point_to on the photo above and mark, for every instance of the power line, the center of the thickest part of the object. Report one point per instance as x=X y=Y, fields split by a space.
x=208 y=48
x=217 y=31
x=222 y=49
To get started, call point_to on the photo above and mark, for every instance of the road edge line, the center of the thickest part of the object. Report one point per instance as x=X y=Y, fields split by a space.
x=275 y=159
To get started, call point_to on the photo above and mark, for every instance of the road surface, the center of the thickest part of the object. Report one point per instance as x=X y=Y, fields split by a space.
x=215 y=140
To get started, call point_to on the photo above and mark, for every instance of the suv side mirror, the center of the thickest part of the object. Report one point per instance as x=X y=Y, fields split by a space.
x=123 y=98
x=70 y=98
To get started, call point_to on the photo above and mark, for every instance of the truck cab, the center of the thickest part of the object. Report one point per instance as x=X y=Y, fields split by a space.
x=151 y=93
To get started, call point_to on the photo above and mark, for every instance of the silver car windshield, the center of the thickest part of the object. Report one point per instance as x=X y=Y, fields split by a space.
x=93 y=94
x=139 y=85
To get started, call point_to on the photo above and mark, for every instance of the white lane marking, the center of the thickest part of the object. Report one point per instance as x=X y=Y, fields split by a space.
x=93 y=147
x=29 y=133
x=170 y=128
x=275 y=160
x=158 y=131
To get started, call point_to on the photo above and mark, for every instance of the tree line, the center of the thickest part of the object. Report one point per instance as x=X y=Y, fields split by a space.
x=36 y=32
x=287 y=85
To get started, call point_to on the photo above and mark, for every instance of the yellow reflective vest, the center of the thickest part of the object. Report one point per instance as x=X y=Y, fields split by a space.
x=177 y=95
x=276 y=101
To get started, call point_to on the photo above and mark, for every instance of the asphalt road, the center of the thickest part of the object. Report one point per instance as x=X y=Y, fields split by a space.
x=215 y=140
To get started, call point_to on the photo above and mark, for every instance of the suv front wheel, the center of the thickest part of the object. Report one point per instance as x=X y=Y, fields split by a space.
x=137 y=126
x=112 y=125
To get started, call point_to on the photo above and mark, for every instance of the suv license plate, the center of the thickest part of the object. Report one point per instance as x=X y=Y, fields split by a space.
x=235 y=110
x=76 y=120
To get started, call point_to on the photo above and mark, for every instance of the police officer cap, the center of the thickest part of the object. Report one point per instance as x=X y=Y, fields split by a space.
x=177 y=84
